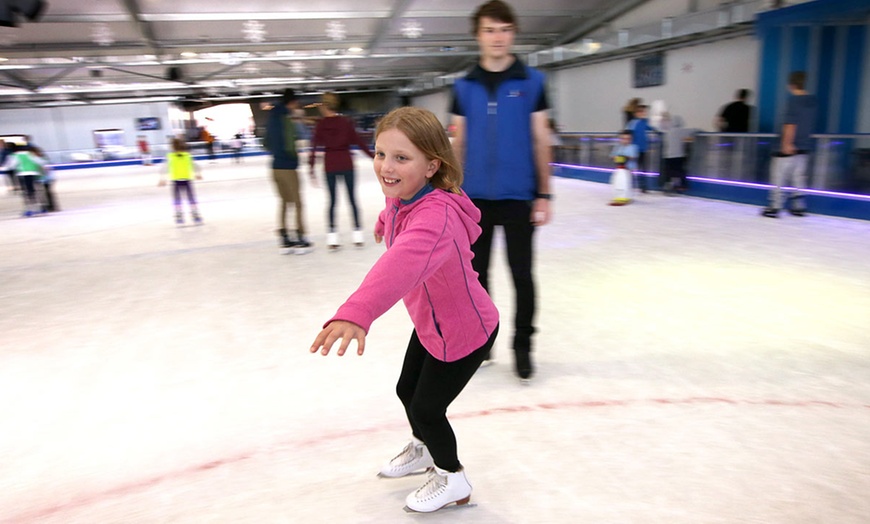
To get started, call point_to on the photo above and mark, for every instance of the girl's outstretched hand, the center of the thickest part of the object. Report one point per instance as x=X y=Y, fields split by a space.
x=339 y=329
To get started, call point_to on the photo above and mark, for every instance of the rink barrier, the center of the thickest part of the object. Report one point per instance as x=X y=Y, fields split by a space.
x=138 y=162
x=827 y=203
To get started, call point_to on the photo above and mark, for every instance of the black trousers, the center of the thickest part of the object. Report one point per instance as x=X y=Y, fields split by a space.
x=332 y=183
x=641 y=166
x=673 y=168
x=515 y=218
x=426 y=388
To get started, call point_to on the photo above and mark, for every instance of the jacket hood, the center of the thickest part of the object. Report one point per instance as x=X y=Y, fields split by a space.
x=464 y=207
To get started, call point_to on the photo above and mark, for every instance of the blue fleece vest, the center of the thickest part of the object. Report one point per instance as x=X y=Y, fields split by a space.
x=499 y=151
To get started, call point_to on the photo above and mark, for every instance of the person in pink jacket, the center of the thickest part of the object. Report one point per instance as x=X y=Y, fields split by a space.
x=428 y=227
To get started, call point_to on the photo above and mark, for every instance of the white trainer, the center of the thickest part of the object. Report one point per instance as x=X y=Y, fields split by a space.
x=358 y=237
x=413 y=458
x=332 y=240
x=442 y=488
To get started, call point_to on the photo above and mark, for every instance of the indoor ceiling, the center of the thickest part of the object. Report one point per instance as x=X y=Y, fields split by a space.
x=93 y=51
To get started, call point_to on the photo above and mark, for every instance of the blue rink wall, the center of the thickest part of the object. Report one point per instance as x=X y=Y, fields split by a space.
x=818 y=202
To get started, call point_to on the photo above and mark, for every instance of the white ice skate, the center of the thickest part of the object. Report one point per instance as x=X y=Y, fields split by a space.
x=442 y=489
x=332 y=241
x=414 y=458
x=358 y=238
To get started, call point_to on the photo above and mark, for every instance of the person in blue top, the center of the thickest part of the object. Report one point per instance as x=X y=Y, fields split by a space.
x=502 y=135
x=639 y=127
x=280 y=140
x=790 y=162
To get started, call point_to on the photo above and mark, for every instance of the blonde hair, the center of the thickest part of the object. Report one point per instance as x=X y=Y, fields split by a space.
x=427 y=134
x=331 y=101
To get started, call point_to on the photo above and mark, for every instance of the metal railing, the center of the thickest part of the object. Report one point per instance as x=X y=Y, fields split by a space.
x=838 y=163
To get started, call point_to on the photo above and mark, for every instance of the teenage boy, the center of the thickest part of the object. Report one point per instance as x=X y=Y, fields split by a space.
x=502 y=136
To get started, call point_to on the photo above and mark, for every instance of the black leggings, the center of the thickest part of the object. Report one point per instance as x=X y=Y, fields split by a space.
x=426 y=388
x=331 y=182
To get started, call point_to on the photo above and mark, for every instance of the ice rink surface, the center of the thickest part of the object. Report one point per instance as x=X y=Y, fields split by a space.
x=696 y=363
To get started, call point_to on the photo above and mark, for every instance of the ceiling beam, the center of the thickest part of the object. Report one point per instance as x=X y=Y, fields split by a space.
x=384 y=24
x=133 y=10
x=20 y=81
x=592 y=24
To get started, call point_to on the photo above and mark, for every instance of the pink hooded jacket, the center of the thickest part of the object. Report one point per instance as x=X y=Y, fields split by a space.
x=428 y=265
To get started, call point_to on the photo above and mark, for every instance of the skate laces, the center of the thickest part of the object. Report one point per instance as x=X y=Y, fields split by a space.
x=433 y=487
x=406 y=456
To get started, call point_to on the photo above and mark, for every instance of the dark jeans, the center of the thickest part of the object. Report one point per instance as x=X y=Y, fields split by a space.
x=426 y=388
x=641 y=166
x=332 y=182
x=183 y=185
x=514 y=216
x=28 y=186
x=50 y=203
x=673 y=171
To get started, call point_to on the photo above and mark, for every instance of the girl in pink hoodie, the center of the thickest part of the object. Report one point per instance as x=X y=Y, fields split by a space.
x=428 y=226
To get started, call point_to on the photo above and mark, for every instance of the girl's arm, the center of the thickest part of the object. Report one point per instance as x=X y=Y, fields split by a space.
x=415 y=255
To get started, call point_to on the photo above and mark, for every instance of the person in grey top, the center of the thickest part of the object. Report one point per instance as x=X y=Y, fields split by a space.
x=789 y=165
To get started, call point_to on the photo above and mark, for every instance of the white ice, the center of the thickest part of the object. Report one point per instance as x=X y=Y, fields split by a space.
x=696 y=363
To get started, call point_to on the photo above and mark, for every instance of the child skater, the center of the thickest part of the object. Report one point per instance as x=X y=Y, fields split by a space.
x=624 y=155
x=181 y=168
x=428 y=226
x=29 y=168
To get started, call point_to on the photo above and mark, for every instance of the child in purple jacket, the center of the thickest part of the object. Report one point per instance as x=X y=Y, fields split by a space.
x=428 y=226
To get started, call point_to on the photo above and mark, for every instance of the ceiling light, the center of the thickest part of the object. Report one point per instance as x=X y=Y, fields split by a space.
x=189 y=54
x=336 y=30
x=411 y=29
x=356 y=49
x=101 y=34
x=254 y=31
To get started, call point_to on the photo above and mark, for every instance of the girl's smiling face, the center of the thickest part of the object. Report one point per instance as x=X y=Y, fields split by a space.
x=402 y=169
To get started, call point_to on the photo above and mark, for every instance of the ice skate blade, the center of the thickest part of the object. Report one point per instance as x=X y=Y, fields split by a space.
x=411 y=474
x=285 y=250
x=461 y=503
x=486 y=363
x=526 y=381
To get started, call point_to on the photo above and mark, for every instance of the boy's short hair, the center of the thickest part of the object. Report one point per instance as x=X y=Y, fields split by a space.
x=743 y=94
x=497 y=10
x=289 y=95
x=797 y=79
